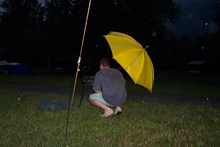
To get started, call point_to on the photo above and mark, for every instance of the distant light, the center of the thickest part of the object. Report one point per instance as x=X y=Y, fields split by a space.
x=202 y=48
x=196 y=62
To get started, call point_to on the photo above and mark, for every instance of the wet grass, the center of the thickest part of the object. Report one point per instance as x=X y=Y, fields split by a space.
x=175 y=83
x=188 y=84
x=142 y=124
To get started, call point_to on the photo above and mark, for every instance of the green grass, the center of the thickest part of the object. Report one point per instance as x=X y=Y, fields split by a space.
x=142 y=124
x=174 y=83
x=192 y=84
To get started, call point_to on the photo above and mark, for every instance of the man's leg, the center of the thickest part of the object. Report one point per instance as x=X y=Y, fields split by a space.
x=99 y=104
x=118 y=110
x=97 y=100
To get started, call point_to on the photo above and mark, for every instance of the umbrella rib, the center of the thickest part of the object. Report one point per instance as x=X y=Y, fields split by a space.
x=124 y=53
x=142 y=64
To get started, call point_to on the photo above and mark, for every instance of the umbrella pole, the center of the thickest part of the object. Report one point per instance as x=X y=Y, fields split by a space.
x=77 y=70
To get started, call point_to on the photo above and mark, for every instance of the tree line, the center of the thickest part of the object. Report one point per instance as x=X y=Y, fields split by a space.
x=36 y=32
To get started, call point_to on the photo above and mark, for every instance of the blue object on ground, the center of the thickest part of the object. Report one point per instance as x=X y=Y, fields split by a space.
x=45 y=104
x=18 y=69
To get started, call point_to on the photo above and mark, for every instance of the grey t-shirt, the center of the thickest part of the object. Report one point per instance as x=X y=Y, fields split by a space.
x=112 y=84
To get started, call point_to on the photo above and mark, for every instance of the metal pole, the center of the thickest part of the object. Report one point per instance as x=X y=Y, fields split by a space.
x=77 y=70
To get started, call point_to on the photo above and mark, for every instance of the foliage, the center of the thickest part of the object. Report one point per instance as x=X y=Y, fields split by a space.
x=19 y=28
x=53 y=29
x=207 y=45
x=40 y=33
x=143 y=20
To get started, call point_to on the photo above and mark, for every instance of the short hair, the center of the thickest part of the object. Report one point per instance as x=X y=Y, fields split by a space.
x=105 y=62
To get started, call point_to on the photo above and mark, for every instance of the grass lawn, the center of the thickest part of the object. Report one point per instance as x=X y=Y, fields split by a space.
x=175 y=83
x=142 y=124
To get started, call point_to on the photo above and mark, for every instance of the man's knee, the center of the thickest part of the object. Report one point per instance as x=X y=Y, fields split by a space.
x=89 y=99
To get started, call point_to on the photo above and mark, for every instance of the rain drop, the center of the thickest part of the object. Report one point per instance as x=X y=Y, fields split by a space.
x=146 y=47
x=154 y=33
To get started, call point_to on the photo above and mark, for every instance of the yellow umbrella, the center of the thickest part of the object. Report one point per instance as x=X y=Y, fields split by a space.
x=132 y=57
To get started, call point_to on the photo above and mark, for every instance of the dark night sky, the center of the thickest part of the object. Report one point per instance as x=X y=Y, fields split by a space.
x=195 y=14
x=193 y=17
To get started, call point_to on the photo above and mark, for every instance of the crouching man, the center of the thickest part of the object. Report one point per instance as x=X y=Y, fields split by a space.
x=109 y=87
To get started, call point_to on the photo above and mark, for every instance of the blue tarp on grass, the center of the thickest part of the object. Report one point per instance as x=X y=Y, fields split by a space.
x=18 y=69
x=48 y=105
x=7 y=68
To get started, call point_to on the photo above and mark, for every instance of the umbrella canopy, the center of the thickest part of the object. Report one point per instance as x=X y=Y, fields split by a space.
x=132 y=57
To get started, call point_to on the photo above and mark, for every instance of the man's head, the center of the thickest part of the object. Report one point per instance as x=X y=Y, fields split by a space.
x=104 y=63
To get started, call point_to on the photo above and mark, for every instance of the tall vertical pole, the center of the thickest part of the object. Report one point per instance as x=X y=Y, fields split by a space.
x=77 y=70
